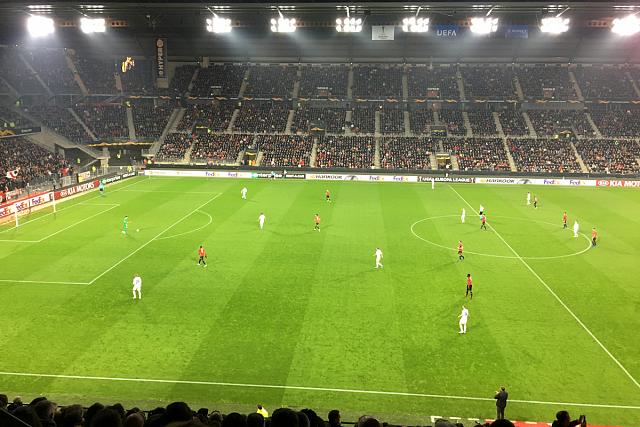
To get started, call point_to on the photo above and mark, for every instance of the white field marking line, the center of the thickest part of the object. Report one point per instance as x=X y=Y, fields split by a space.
x=577 y=319
x=190 y=231
x=43 y=281
x=154 y=238
x=64 y=229
x=69 y=207
x=168 y=191
x=322 y=389
x=493 y=255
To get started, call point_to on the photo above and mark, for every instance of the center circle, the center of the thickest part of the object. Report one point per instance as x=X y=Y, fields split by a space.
x=494 y=255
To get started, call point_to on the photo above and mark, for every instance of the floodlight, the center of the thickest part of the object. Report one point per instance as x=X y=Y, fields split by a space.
x=218 y=25
x=283 y=25
x=89 y=25
x=40 y=26
x=554 y=25
x=349 y=25
x=415 y=25
x=626 y=26
x=484 y=25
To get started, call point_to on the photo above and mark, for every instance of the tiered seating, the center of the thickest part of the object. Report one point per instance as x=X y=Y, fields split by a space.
x=105 y=121
x=422 y=79
x=604 y=82
x=180 y=81
x=488 y=82
x=13 y=69
x=363 y=119
x=406 y=153
x=454 y=122
x=513 y=123
x=324 y=81
x=550 y=122
x=219 y=79
x=333 y=119
x=482 y=123
x=421 y=120
x=262 y=117
x=616 y=123
x=271 y=80
x=215 y=116
x=97 y=74
x=150 y=118
x=61 y=121
x=35 y=163
x=51 y=65
x=214 y=148
x=478 y=154
x=285 y=150
x=545 y=81
x=610 y=155
x=377 y=81
x=138 y=80
x=9 y=119
x=174 y=147
x=392 y=120
x=345 y=152
x=543 y=155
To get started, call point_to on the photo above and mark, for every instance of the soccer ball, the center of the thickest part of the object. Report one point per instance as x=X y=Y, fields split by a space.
x=137 y=230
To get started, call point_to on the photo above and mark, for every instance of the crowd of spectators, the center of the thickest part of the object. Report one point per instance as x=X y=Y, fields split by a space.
x=421 y=120
x=392 y=120
x=437 y=82
x=262 y=117
x=150 y=117
x=482 y=123
x=59 y=120
x=332 y=118
x=513 y=123
x=215 y=116
x=174 y=147
x=543 y=155
x=105 y=120
x=345 y=152
x=478 y=154
x=546 y=81
x=617 y=122
x=138 y=80
x=10 y=119
x=34 y=163
x=52 y=67
x=604 y=82
x=454 y=121
x=488 y=82
x=271 y=80
x=379 y=81
x=363 y=118
x=180 y=81
x=219 y=149
x=219 y=80
x=324 y=81
x=406 y=153
x=14 y=70
x=285 y=150
x=609 y=155
x=98 y=74
x=549 y=123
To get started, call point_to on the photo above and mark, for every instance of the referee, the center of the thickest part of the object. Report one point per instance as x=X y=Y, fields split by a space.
x=501 y=402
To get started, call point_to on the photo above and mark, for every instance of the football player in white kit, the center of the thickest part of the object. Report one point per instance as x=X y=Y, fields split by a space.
x=137 y=287
x=378 y=255
x=464 y=315
x=244 y=192
x=464 y=213
x=261 y=220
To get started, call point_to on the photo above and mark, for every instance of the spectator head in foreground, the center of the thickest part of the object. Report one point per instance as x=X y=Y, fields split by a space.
x=255 y=419
x=334 y=418
x=284 y=417
x=368 y=421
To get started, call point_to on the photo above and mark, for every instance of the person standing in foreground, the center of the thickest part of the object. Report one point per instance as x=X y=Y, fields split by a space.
x=535 y=202
x=137 y=287
x=316 y=219
x=327 y=196
x=433 y=184
x=483 y=219
x=463 y=316
x=564 y=220
x=378 y=255
x=202 y=254
x=125 y=225
x=501 y=402
x=464 y=213
x=243 y=192
x=261 y=220
x=469 y=286
x=576 y=228
x=594 y=236
x=460 y=250
x=102 y=186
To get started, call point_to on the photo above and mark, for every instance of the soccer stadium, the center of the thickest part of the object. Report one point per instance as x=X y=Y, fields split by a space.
x=319 y=214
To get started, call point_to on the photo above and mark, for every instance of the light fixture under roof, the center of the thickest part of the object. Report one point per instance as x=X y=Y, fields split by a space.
x=627 y=26
x=554 y=25
x=40 y=26
x=92 y=25
x=484 y=25
x=218 y=25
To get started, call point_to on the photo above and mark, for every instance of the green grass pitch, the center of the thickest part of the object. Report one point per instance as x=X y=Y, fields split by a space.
x=284 y=314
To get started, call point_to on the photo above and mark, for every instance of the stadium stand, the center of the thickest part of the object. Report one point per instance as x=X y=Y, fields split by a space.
x=488 y=82
x=215 y=116
x=216 y=149
x=438 y=82
x=105 y=120
x=543 y=155
x=180 y=81
x=478 y=154
x=610 y=155
x=324 y=81
x=406 y=153
x=262 y=117
x=332 y=118
x=10 y=119
x=139 y=79
x=545 y=81
x=482 y=123
x=454 y=122
x=345 y=152
x=285 y=150
x=513 y=123
x=421 y=120
x=219 y=80
x=97 y=74
x=604 y=82
x=174 y=147
x=618 y=122
x=374 y=82
x=391 y=120
x=150 y=117
x=271 y=80
x=16 y=73
x=363 y=118
x=35 y=164
x=60 y=120
x=549 y=123
x=51 y=65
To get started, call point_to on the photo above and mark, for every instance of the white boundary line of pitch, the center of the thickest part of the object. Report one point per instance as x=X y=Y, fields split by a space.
x=577 y=319
x=154 y=238
x=321 y=389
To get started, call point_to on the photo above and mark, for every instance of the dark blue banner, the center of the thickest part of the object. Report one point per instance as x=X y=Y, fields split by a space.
x=447 y=30
x=517 y=32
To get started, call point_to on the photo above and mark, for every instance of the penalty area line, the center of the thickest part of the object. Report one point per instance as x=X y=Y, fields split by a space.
x=313 y=389
x=551 y=291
